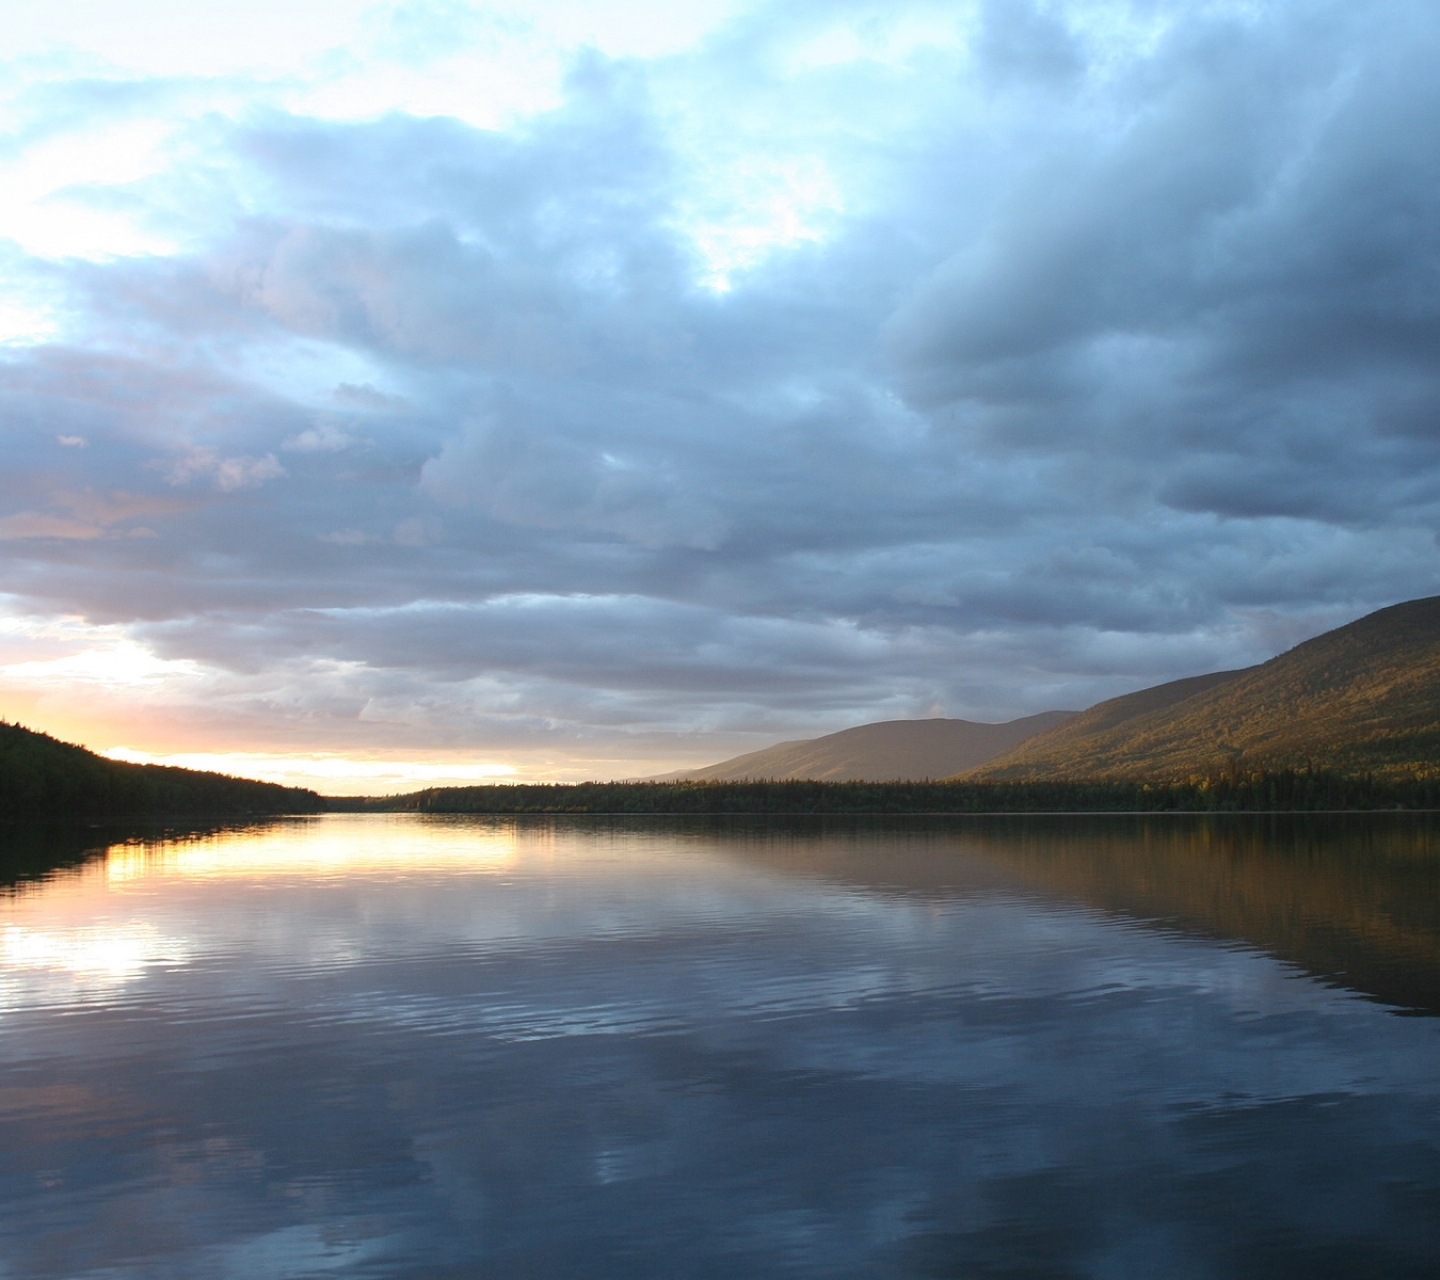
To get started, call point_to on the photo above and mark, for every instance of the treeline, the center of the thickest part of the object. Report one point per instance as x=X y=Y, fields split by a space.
x=1254 y=792
x=44 y=778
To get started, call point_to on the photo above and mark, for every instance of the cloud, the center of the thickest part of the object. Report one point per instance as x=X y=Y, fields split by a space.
x=834 y=364
x=324 y=437
x=28 y=524
x=227 y=474
x=524 y=470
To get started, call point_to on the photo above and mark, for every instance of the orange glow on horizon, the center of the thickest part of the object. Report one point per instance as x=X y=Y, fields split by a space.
x=99 y=688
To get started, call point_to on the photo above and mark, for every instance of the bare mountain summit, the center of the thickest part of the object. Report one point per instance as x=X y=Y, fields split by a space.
x=908 y=750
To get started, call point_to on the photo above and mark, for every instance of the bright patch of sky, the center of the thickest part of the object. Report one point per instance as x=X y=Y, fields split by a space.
x=122 y=663
x=329 y=773
x=94 y=186
x=176 y=38
x=22 y=324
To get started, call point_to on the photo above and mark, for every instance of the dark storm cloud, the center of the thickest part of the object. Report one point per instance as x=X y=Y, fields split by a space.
x=1112 y=358
x=1244 y=270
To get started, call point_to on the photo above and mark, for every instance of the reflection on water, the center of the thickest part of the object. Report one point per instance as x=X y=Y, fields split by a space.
x=308 y=850
x=1354 y=897
x=405 y=1046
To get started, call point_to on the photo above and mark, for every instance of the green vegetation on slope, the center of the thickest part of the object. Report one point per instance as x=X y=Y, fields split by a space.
x=41 y=777
x=1362 y=700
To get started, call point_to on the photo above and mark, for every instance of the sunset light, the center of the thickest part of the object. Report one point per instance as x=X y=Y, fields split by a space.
x=729 y=638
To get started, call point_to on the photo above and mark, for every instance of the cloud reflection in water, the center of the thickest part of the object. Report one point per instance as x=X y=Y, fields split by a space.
x=529 y=1048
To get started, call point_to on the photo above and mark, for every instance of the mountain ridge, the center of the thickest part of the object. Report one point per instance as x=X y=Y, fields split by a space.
x=1361 y=699
x=884 y=750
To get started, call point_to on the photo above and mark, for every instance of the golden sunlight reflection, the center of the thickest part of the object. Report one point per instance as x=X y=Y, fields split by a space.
x=339 y=844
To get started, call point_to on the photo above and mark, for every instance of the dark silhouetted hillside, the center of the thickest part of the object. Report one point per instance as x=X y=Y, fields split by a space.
x=1363 y=699
x=912 y=750
x=41 y=777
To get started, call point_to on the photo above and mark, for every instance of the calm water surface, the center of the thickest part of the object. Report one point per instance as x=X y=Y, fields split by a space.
x=399 y=1046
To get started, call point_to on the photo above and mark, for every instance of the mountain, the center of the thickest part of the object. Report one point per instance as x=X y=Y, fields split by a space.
x=42 y=777
x=891 y=749
x=1362 y=699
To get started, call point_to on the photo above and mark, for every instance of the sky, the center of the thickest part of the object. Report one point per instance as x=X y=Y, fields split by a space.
x=406 y=394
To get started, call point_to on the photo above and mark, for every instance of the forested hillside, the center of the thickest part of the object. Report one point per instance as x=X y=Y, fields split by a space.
x=42 y=777
x=1362 y=700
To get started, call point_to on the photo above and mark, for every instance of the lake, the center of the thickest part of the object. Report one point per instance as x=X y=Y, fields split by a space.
x=413 y=1046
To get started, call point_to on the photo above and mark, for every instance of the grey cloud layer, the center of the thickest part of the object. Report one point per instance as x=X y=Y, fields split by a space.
x=1117 y=361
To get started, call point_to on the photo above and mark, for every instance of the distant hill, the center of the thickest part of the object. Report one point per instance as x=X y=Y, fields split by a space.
x=892 y=749
x=1362 y=699
x=42 y=777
